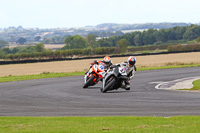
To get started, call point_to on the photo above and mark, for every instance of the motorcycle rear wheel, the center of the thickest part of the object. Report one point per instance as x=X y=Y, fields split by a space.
x=89 y=81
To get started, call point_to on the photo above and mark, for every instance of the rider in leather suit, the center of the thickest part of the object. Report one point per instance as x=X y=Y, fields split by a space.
x=130 y=70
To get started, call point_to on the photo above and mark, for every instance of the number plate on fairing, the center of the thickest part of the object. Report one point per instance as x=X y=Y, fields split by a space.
x=101 y=67
x=122 y=71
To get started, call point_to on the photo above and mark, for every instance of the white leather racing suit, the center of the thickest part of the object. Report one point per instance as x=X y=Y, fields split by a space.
x=130 y=70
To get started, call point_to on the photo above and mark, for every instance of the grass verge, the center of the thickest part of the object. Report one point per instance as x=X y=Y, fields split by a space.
x=38 y=76
x=196 y=85
x=119 y=124
x=53 y=75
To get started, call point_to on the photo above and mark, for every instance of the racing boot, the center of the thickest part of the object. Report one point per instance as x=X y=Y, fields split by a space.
x=127 y=85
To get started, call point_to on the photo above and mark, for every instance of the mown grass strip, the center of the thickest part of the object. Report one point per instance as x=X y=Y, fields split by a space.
x=38 y=76
x=168 y=67
x=118 y=124
x=54 y=75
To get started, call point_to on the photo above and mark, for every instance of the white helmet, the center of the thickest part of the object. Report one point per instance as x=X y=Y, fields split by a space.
x=131 y=61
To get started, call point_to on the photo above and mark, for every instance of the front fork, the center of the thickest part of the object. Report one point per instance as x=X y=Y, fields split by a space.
x=85 y=78
x=87 y=73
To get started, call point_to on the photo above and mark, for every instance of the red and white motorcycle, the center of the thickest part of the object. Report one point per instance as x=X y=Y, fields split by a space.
x=94 y=75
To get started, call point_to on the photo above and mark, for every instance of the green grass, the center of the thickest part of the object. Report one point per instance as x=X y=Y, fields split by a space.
x=38 y=76
x=168 y=67
x=118 y=124
x=196 y=85
x=53 y=75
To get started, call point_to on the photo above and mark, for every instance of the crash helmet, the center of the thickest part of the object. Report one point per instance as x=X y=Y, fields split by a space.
x=107 y=60
x=131 y=61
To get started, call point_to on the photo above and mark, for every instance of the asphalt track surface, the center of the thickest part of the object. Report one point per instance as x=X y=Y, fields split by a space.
x=66 y=97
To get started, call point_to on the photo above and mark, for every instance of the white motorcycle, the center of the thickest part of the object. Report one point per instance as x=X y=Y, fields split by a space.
x=114 y=79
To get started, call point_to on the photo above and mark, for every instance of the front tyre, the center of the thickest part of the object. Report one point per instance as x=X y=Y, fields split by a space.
x=89 y=81
x=109 y=85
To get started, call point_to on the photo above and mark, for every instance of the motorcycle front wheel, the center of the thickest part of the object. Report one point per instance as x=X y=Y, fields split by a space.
x=89 y=81
x=109 y=85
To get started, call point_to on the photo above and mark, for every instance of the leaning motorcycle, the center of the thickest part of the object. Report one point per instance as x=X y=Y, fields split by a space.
x=94 y=75
x=114 y=79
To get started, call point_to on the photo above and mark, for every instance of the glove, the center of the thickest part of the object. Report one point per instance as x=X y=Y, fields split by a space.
x=95 y=62
x=112 y=66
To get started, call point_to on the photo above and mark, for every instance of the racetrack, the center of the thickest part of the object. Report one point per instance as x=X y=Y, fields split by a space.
x=66 y=97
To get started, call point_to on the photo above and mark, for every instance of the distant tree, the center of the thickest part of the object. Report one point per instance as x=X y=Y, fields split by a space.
x=58 y=39
x=105 y=43
x=138 y=39
x=39 y=47
x=171 y=34
x=161 y=36
x=21 y=40
x=123 y=44
x=149 y=37
x=192 y=32
x=75 y=42
x=130 y=37
x=198 y=40
x=91 y=39
x=6 y=50
x=15 y=50
x=3 y=43
x=12 y=38
x=47 y=41
x=179 y=32
x=37 y=38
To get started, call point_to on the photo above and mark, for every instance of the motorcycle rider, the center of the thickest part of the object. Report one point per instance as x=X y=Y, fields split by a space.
x=106 y=62
x=130 y=67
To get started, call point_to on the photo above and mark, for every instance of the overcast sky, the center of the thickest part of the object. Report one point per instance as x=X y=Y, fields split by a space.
x=79 y=13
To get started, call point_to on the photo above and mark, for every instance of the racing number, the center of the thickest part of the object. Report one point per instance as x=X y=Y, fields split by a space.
x=122 y=71
x=101 y=67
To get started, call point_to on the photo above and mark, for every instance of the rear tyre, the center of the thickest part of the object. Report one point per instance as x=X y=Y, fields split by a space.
x=109 y=85
x=89 y=81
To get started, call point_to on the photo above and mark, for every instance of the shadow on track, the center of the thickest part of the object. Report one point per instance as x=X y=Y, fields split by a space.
x=118 y=91
x=92 y=87
x=112 y=91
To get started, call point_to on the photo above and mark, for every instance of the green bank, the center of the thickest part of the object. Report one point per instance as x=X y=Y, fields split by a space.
x=127 y=124
x=54 y=75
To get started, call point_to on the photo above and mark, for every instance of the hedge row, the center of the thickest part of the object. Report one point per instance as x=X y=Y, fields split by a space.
x=144 y=48
x=183 y=47
x=63 y=53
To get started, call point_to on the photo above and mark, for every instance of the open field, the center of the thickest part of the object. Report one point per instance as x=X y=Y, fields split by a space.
x=47 y=46
x=83 y=65
x=53 y=46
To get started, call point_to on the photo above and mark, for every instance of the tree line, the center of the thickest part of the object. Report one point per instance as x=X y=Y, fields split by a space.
x=89 y=45
x=148 y=37
x=156 y=37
